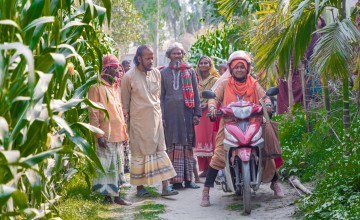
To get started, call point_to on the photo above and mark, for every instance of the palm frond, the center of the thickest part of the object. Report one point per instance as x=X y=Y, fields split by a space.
x=227 y=7
x=286 y=34
x=335 y=49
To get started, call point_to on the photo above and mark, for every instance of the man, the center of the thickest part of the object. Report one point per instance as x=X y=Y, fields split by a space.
x=141 y=104
x=126 y=65
x=108 y=145
x=180 y=103
x=222 y=68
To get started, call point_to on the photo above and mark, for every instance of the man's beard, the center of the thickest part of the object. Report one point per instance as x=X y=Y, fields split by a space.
x=176 y=63
x=148 y=68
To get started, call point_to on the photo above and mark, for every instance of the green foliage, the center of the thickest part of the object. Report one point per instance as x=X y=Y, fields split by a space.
x=337 y=195
x=77 y=202
x=148 y=10
x=336 y=48
x=327 y=156
x=153 y=191
x=125 y=24
x=221 y=42
x=50 y=54
x=150 y=211
x=291 y=134
x=229 y=8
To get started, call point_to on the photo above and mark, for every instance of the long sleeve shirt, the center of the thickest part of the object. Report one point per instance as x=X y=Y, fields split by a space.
x=109 y=96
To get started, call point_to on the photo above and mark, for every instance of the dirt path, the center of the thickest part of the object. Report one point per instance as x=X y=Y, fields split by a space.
x=186 y=205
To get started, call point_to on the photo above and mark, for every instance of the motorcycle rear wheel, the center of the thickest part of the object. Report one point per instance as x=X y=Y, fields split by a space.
x=245 y=169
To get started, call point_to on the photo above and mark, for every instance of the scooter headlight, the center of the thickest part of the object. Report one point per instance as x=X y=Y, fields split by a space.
x=242 y=112
x=229 y=136
x=257 y=136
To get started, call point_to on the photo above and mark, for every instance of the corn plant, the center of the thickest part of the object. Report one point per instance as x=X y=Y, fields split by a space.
x=50 y=54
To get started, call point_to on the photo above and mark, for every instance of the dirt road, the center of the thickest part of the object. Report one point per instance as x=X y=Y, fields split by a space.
x=186 y=205
x=224 y=206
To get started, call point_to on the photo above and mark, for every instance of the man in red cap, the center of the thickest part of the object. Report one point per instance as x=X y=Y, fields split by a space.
x=108 y=144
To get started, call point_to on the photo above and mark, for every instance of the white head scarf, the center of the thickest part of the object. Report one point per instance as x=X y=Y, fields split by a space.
x=240 y=54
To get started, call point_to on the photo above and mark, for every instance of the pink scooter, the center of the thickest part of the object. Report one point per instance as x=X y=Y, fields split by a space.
x=243 y=143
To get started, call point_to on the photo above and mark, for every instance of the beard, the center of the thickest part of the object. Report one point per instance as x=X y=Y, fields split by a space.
x=176 y=63
x=148 y=67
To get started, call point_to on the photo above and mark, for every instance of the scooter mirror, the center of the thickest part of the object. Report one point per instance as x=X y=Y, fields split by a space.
x=208 y=94
x=272 y=91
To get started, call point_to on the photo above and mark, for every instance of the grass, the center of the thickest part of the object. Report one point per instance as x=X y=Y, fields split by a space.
x=150 y=211
x=238 y=207
x=79 y=208
x=79 y=203
x=153 y=191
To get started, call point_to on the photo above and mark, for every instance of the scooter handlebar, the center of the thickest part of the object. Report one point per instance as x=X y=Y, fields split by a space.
x=218 y=113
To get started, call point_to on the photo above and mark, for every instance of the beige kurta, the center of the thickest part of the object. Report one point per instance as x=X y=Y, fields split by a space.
x=141 y=99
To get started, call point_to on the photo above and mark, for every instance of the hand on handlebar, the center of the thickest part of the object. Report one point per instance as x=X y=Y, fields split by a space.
x=213 y=112
x=268 y=109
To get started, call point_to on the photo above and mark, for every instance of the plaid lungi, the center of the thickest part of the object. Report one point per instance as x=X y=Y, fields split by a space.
x=182 y=160
x=111 y=159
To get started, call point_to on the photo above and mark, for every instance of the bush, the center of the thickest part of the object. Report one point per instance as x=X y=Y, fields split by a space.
x=327 y=156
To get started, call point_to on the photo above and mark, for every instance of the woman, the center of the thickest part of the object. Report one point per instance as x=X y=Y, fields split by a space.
x=236 y=82
x=204 y=148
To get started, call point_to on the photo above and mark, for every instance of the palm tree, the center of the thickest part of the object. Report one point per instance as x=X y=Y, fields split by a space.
x=293 y=24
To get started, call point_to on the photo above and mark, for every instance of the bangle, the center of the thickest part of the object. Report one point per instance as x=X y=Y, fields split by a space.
x=268 y=104
x=212 y=107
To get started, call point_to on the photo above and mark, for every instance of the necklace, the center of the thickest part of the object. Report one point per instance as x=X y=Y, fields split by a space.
x=176 y=81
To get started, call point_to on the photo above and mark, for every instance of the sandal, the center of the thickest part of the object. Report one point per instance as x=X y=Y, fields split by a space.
x=169 y=191
x=191 y=185
x=142 y=193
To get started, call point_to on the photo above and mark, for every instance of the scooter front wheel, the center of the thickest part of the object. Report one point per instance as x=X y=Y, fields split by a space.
x=245 y=169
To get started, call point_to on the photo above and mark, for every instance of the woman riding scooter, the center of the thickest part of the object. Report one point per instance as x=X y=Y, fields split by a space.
x=236 y=82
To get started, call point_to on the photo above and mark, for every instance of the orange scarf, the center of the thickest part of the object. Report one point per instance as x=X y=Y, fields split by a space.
x=246 y=89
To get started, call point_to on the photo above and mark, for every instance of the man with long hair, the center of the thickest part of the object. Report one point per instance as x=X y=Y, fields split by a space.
x=140 y=92
x=180 y=104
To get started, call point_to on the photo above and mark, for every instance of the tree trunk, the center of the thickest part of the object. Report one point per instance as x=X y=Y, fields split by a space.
x=156 y=34
x=346 y=116
x=175 y=31
x=290 y=89
x=305 y=103
x=326 y=96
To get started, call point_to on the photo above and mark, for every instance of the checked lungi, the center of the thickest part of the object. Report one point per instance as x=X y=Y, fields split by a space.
x=182 y=160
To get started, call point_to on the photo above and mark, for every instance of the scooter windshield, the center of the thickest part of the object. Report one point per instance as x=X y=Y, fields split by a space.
x=242 y=112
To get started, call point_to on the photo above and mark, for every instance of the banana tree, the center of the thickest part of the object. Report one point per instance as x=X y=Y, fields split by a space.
x=50 y=54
